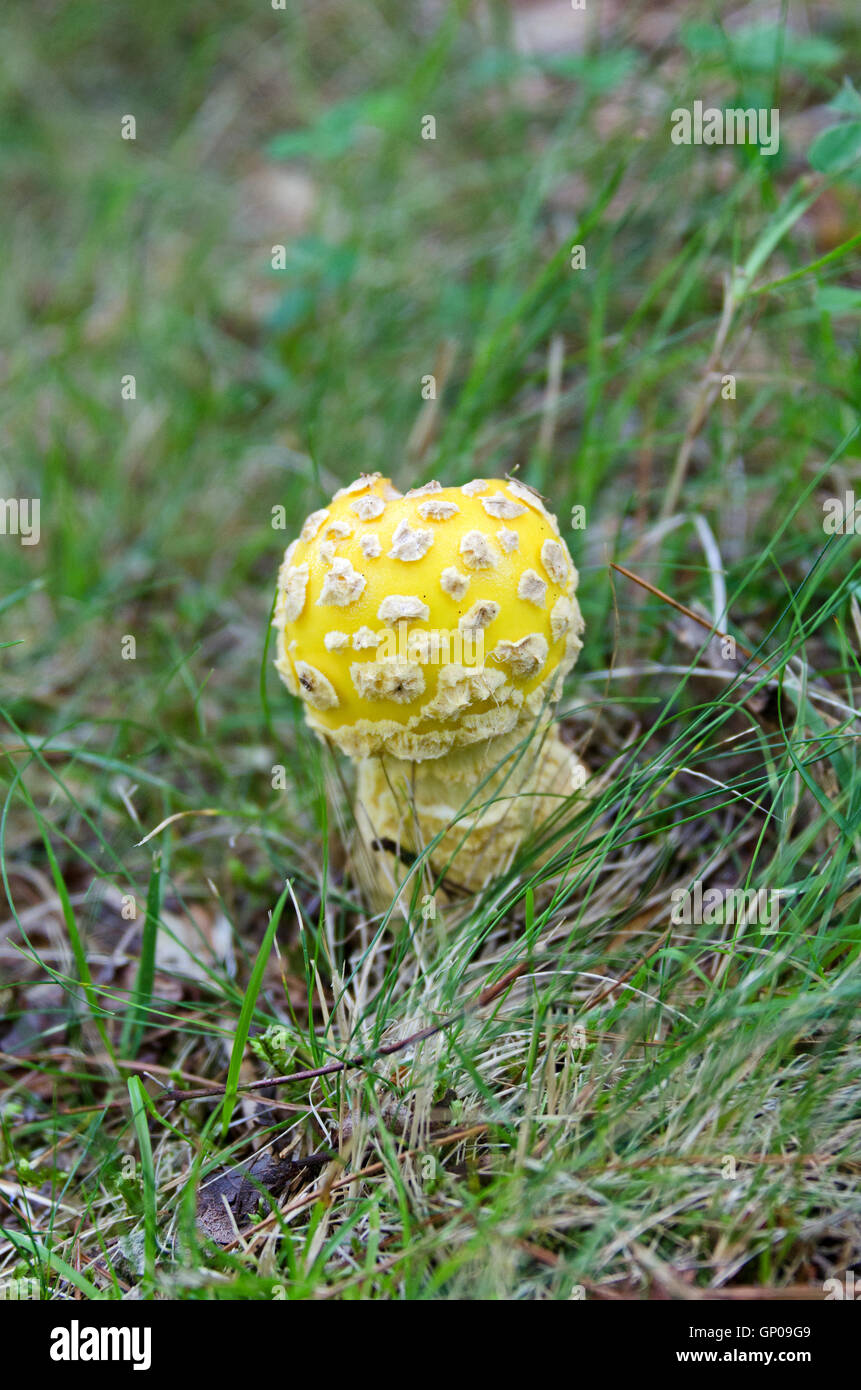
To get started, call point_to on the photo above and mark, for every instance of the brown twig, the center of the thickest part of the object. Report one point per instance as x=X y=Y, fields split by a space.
x=487 y=996
x=681 y=608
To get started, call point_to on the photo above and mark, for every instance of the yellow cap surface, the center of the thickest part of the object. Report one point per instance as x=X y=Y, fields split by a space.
x=418 y=623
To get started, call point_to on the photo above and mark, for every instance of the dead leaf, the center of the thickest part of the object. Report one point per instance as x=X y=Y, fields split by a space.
x=230 y=1199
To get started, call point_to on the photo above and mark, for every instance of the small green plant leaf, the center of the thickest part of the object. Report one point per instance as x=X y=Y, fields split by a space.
x=836 y=148
x=839 y=300
x=847 y=101
x=759 y=47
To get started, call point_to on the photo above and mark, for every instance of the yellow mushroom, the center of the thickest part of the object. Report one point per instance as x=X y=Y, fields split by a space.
x=427 y=635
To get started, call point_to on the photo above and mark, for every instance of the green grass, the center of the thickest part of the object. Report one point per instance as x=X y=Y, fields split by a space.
x=647 y=1106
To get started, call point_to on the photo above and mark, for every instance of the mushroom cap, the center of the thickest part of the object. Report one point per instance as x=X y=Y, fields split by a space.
x=412 y=624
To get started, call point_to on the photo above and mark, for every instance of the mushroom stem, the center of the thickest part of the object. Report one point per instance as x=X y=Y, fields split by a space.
x=507 y=784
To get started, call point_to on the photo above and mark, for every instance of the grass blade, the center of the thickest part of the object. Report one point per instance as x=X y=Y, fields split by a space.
x=139 y=1118
x=246 y=1013
x=135 y=1020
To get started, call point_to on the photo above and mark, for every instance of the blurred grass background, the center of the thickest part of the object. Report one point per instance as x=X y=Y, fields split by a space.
x=257 y=388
